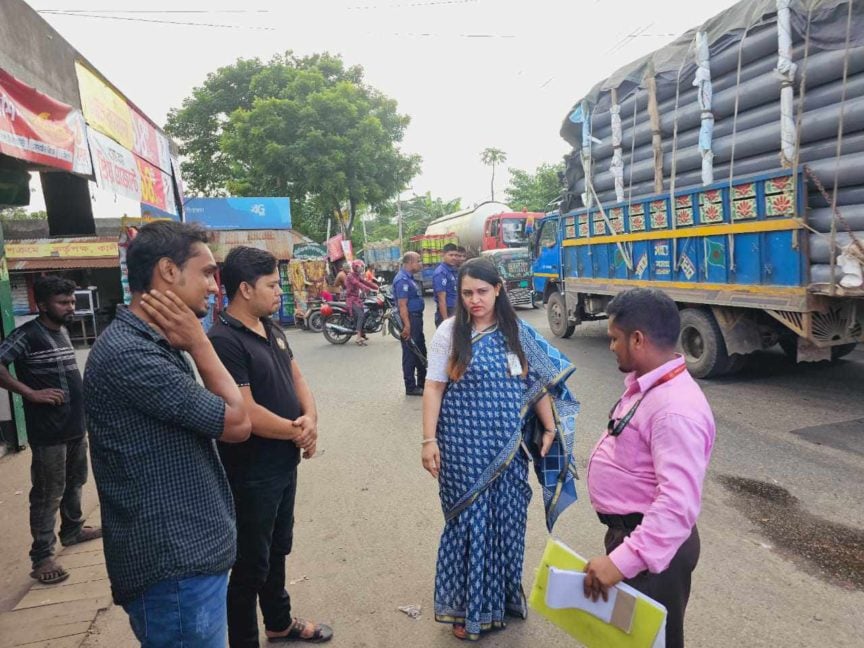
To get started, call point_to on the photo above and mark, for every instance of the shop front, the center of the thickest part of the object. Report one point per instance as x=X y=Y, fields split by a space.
x=91 y=262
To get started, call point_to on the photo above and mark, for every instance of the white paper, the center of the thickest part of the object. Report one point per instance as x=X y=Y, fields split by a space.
x=565 y=590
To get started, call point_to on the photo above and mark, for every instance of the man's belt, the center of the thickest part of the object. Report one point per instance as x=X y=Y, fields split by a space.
x=629 y=521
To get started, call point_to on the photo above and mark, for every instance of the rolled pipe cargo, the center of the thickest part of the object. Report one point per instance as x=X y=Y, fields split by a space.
x=758 y=48
x=853 y=215
x=820 y=245
x=821 y=97
x=816 y=125
x=822 y=68
x=819 y=155
x=847 y=196
x=822 y=273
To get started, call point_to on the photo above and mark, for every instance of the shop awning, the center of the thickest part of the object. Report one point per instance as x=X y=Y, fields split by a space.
x=35 y=265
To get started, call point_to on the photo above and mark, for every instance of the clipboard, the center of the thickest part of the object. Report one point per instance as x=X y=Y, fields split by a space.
x=630 y=619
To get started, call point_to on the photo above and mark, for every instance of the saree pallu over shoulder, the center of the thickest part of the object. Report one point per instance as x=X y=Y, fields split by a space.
x=548 y=371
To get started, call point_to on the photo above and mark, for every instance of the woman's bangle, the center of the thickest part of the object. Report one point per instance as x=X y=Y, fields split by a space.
x=432 y=440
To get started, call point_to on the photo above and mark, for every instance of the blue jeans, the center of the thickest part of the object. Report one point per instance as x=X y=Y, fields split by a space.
x=188 y=612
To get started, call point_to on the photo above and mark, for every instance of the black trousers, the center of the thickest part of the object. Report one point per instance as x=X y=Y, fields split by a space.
x=670 y=587
x=413 y=371
x=57 y=473
x=265 y=532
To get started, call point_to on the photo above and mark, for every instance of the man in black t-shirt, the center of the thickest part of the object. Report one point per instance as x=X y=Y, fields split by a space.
x=50 y=384
x=263 y=470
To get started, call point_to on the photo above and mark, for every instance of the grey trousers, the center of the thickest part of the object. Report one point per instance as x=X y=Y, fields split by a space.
x=57 y=473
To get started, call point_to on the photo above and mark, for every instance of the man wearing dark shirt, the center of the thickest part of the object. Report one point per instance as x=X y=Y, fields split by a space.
x=167 y=512
x=263 y=470
x=444 y=281
x=49 y=382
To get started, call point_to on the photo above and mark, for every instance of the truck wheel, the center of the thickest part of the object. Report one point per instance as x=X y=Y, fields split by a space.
x=842 y=350
x=790 y=348
x=737 y=362
x=556 y=313
x=702 y=344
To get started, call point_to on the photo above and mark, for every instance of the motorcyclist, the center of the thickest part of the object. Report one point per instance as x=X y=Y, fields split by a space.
x=355 y=283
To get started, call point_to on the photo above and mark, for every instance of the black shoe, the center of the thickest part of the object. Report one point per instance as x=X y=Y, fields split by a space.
x=414 y=391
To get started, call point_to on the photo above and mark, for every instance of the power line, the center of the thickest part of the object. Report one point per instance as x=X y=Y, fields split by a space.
x=150 y=20
x=155 y=11
x=430 y=3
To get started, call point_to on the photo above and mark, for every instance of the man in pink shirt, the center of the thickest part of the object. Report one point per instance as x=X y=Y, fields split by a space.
x=645 y=474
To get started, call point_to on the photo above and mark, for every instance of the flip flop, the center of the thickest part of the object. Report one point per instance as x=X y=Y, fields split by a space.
x=86 y=534
x=49 y=572
x=320 y=634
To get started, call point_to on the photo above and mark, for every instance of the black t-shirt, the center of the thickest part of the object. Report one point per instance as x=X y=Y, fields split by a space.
x=44 y=359
x=263 y=365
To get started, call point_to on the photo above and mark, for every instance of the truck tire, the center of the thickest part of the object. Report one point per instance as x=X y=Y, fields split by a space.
x=790 y=348
x=842 y=350
x=556 y=314
x=702 y=344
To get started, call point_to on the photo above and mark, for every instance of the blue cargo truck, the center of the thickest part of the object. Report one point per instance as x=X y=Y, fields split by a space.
x=726 y=169
x=734 y=256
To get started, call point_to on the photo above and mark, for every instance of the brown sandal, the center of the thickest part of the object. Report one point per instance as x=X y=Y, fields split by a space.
x=320 y=633
x=49 y=572
x=459 y=631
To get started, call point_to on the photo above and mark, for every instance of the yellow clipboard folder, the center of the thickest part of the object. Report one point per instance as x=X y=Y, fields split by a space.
x=628 y=620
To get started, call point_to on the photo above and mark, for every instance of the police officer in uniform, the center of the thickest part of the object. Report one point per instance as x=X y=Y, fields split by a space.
x=410 y=303
x=444 y=283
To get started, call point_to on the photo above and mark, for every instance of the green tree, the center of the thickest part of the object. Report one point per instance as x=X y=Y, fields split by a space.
x=417 y=213
x=308 y=128
x=493 y=157
x=21 y=213
x=534 y=191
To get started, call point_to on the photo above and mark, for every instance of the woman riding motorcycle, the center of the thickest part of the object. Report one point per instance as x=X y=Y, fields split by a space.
x=354 y=286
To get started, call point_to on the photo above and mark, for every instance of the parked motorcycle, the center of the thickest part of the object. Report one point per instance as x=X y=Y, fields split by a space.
x=339 y=321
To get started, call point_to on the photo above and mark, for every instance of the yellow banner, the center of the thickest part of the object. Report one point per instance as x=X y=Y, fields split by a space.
x=105 y=110
x=61 y=249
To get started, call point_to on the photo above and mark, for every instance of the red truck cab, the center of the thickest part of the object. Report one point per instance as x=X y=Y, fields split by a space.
x=508 y=230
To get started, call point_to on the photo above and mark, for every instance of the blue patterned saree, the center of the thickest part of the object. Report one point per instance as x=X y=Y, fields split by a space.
x=485 y=419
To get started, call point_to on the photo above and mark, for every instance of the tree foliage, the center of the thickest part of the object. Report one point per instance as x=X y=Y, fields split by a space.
x=20 y=214
x=493 y=157
x=535 y=191
x=305 y=127
x=417 y=213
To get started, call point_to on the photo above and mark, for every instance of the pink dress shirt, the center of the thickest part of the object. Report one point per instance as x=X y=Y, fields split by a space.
x=655 y=467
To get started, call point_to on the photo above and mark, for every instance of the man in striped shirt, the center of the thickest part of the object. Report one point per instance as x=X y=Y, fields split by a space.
x=49 y=381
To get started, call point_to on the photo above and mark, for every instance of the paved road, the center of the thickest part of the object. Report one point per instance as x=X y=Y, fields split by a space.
x=368 y=517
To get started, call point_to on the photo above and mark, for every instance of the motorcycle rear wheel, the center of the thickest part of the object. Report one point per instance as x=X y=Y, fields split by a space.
x=337 y=337
x=315 y=321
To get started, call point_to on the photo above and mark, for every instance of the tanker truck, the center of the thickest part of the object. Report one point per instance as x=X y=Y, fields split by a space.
x=487 y=226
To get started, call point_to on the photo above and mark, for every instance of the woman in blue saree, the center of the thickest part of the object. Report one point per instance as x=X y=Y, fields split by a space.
x=494 y=394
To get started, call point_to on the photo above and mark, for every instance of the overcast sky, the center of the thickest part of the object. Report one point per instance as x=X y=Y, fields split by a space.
x=470 y=73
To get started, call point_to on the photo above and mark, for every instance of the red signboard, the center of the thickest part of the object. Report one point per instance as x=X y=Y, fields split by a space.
x=39 y=129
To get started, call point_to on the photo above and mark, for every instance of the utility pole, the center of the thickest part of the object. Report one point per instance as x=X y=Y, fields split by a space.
x=401 y=233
